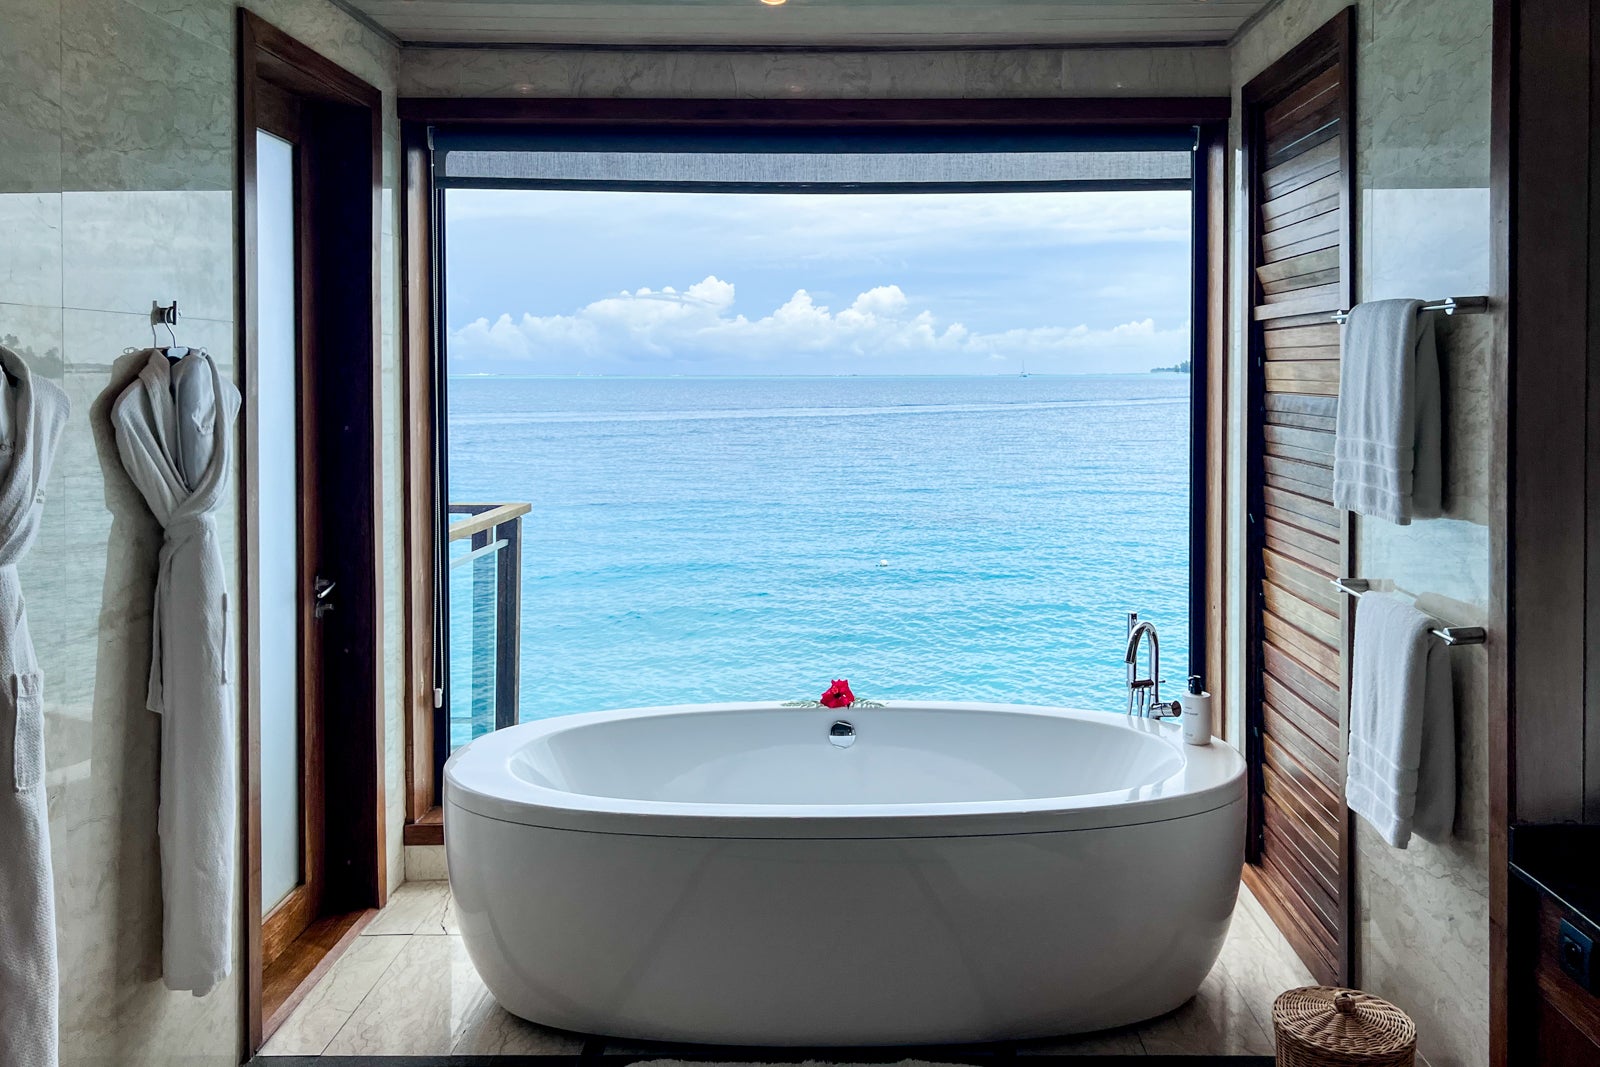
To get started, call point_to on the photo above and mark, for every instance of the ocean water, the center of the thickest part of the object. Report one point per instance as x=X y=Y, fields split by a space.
x=707 y=539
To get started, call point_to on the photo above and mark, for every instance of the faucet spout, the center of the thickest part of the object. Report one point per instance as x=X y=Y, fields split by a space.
x=1144 y=694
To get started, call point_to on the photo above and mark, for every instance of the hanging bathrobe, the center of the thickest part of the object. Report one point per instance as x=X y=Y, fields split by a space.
x=33 y=413
x=174 y=431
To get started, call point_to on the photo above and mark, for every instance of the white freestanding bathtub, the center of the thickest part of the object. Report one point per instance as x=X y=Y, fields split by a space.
x=734 y=873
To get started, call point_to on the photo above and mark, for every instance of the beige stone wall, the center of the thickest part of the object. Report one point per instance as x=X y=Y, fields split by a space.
x=117 y=189
x=1422 y=73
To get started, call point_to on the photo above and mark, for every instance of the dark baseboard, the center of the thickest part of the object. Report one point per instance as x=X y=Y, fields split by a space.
x=769 y=1056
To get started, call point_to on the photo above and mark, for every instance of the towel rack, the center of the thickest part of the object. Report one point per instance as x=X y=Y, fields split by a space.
x=1450 y=305
x=1450 y=635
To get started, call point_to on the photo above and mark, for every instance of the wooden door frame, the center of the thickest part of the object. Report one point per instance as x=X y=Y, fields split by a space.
x=346 y=424
x=1334 y=39
x=420 y=242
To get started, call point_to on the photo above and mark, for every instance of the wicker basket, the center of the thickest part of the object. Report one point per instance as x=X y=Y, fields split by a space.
x=1322 y=1026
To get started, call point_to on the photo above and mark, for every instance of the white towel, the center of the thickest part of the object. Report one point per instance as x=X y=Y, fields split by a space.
x=1386 y=458
x=174 y=433
x=1401 y=776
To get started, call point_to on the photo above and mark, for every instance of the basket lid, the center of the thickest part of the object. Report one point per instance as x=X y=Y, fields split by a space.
x=1345 y=1020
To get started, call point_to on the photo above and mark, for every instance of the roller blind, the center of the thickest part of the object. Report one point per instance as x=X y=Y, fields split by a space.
x=814 y=161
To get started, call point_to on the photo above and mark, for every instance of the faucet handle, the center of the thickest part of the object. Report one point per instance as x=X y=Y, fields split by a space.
x=1165 y=709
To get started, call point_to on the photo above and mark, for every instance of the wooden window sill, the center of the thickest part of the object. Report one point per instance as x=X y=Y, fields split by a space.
x=428 y=830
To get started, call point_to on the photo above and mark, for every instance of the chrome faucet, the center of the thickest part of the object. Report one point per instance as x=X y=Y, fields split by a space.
x=1144 y=694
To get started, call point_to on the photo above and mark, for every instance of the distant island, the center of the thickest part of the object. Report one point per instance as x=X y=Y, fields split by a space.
x=1176 y=368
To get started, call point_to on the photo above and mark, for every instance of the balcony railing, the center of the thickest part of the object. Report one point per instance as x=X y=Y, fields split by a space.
x=485 y=579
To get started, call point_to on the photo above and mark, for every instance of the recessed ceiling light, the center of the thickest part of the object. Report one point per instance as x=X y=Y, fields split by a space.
x=772 y=3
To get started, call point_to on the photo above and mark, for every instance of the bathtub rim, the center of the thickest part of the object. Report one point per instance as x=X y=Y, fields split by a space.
x=479 y=782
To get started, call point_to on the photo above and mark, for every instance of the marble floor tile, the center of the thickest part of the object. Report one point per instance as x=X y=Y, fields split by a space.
x=493 y=1031
x=336 y=997
x=423 y=1005
x=414 y=908
x=1217 y=1022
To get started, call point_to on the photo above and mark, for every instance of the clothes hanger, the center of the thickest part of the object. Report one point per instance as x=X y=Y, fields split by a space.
x=168 y=317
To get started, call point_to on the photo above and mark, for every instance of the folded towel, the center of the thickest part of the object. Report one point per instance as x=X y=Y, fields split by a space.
x=1401 y=776
x=1386 y=458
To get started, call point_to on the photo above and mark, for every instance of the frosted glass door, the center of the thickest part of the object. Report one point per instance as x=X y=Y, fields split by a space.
x=278 y=514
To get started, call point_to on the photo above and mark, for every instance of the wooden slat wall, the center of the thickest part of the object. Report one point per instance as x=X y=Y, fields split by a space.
x=1298 y=141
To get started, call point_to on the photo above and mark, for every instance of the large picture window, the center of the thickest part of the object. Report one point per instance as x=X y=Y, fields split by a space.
x=755 y=413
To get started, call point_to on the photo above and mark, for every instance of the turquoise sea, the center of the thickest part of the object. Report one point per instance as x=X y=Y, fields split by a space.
x=707 y=539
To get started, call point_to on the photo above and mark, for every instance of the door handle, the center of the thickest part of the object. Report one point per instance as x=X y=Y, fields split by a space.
x=320 y=589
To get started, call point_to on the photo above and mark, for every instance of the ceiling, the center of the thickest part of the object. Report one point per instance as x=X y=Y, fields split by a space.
x=809 y=23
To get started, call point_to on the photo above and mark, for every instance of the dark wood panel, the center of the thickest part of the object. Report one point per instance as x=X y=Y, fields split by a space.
x=1297 y=163
x=1306 y=886
x=1290 y=485
x=1301 y=281
x=1313 y=756
x=1316 y=723
x=1301 y=171
x=1326 y=293
x=1300 y=405
x=1330 y=239
x=1321 y=334
x=1321 y=658
x=1290 y=355
x=1288 y=518
x=1313 y=514
x=1303 y=145
x=1327 y=802
x=1305 y=132
x=1306 y=555
x=1315 y=377
x=1317 y=861
x=1291 y=216
x=1322 y=189
x=1308 y=617
x=1576 y=1003
x=1293 y=676
x=1309 y=586
x=1319 y=475
x=1294 y=801
x=1325 y=549
x=1317 y=226
x=856 y=112
x=1314 y=442
x=1309 y=263
x=1310 y=96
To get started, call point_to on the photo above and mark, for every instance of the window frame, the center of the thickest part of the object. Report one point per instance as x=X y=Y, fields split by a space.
x=426 y=387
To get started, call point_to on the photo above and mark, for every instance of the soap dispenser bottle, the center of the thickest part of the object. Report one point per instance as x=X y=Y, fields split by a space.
x=1196 y=713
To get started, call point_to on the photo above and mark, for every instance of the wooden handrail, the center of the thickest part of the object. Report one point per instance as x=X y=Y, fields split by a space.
x=484 y=517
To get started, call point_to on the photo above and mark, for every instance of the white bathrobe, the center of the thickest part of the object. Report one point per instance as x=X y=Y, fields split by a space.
x=174 y=432
x=33 y=412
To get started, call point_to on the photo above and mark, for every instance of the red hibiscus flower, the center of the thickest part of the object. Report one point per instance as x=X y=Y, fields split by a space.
x=838 y=694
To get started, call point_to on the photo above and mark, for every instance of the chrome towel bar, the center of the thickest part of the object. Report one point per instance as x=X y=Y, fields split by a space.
x=1450 y=305
x=1450 y=635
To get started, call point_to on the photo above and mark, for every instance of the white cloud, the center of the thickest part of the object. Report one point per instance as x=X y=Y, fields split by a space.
x=698 y=330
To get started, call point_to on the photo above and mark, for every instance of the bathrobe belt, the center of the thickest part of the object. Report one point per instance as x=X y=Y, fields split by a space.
x=180 y=534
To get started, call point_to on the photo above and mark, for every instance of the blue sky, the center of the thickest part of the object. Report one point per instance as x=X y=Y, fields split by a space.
x=648 y=283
